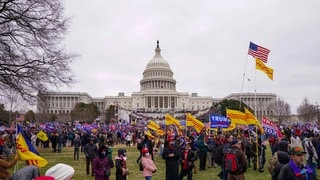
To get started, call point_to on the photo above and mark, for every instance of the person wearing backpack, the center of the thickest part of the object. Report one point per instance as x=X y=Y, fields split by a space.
x=229 y=139
x=280 y=158
x=235 y=162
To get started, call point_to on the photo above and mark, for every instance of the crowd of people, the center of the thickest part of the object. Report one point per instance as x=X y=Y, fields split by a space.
x=294 y=155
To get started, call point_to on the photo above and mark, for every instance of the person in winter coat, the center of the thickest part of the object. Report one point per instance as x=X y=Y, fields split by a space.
x=77 y=144
x=148 y=165
x=203 y=149
x=146 y=142
x=296 y=169
x=281 y=159
x=121 y=165
x=311 y=153
x=171 y=155
x=237 y=146
x=295 y=140
x=91 y=151
x=100 y=164
x=187 y=162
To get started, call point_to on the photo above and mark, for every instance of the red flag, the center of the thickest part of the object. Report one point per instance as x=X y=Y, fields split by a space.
x=259 y=52
x=271 y=127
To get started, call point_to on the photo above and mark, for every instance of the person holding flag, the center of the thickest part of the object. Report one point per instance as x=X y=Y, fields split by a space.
x=26 y=152
x=26 y=173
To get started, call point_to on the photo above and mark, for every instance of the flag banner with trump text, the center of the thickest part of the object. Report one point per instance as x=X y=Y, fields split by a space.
x=231 y=127
x=219 y=121
x=270 y=127
x=26 y=151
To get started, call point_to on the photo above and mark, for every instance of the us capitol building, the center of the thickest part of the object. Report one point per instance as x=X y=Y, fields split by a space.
x=156 y=97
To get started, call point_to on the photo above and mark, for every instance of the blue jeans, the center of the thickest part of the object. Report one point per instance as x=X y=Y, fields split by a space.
x=148 y=177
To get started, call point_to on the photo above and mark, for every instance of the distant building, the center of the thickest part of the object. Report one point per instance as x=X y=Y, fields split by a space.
x=157 y=95
x=259 y=101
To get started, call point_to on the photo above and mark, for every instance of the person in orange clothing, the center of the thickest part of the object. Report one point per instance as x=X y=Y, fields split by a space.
x=148 y=165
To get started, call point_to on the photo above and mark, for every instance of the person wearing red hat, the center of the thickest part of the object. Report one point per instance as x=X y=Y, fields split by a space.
x=148 y=165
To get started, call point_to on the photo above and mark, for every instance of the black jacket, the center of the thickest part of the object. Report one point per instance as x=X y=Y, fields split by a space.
x=287 y=173
x=283 y=158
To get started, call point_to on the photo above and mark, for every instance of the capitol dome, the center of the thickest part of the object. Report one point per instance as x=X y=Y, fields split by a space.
x=158 y=74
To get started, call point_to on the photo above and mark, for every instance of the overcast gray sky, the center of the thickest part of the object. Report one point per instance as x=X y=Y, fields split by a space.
x=205 y=43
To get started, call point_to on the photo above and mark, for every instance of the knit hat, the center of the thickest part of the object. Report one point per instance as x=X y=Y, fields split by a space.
x=60 y=172
x=283 y=145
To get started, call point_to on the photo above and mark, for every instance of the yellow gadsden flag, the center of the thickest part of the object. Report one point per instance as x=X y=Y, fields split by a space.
x=42 y=136
x=262 y=67
x=197 y=124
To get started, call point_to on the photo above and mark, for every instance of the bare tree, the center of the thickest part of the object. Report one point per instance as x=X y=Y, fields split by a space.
x=31 y=55
x=307 y=111
x=14 y=103
x=280 y=110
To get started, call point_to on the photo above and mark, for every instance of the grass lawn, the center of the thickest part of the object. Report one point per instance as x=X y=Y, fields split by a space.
x=80 y=173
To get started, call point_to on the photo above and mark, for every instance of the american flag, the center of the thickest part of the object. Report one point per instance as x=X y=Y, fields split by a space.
x=259 y=52
x=20 y=117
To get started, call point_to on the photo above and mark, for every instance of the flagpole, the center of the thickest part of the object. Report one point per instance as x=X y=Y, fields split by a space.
x=257 y=147
x=243 y=77
x=255 y=91
x=16 y=165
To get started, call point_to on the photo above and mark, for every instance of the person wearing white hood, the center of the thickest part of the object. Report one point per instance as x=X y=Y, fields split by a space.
x=60 y=171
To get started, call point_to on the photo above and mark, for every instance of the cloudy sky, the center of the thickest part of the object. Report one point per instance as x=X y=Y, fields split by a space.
x=205 y=43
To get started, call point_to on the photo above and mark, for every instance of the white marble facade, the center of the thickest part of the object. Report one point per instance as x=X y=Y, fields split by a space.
x=157 y=94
